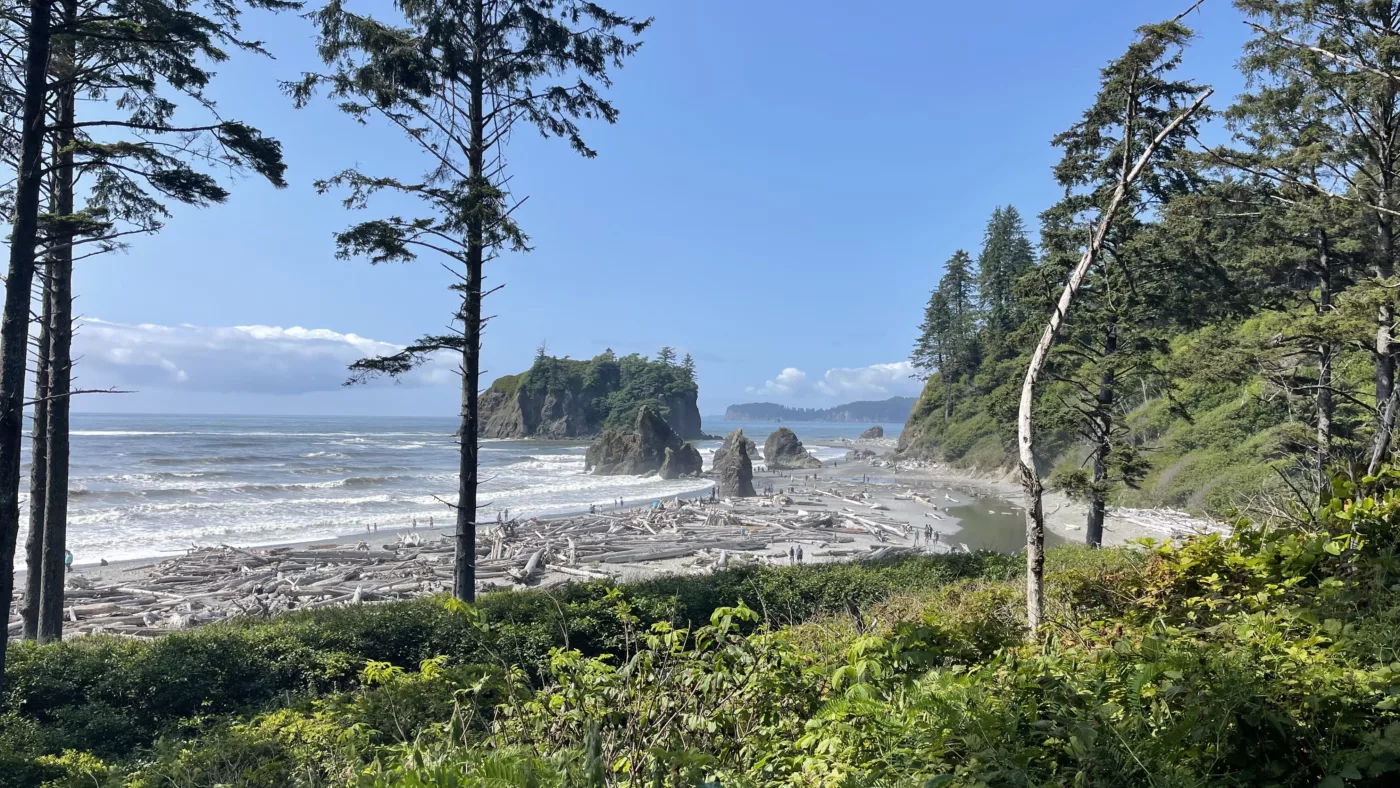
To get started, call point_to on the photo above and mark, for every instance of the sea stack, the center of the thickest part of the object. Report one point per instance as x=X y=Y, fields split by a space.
x=733 y=467
x=730 y=440
x=783 y=451
x=651 y=447
x=874 y=432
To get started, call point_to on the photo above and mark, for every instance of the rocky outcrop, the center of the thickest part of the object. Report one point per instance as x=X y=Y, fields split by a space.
x=563 y=415
x=651 y=447
x=737 y=436
x=683 y=415
x=874 y=432
x=733 y=468
x=685 y=461
x=783 y=451
x=860 y=454
x=556 y=416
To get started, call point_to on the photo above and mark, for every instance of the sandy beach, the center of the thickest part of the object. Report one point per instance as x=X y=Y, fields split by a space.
x=843 y=511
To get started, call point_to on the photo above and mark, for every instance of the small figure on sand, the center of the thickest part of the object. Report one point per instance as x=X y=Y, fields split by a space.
x=792 y=556
x=592 y=508
x=414 y=526
x=430 y=521
x=799 y=554
x=68 y=560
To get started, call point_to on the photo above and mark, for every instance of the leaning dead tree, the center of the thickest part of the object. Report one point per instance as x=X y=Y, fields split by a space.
x=1134 y=98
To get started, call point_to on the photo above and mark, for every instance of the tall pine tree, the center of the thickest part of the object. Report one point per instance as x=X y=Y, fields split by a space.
x=457 y=77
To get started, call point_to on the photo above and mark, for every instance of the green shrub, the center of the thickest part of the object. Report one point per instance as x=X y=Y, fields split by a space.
x=111 y=696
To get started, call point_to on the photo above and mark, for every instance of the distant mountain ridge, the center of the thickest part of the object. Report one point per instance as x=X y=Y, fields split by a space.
x=894 y=410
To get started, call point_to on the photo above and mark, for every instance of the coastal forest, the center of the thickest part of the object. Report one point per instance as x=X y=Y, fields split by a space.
x=1205 y=320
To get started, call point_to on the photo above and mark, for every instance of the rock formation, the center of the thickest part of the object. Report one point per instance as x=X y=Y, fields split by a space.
x=874 y=432
x=563 y=415
x=783 y=451
x=651 y=447
x=737 y=436
x=733 y=468
x=685 y=461
x=860 y=454
x=561 y=398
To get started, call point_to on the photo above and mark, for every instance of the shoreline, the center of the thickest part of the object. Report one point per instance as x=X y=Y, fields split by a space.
x=846 y=510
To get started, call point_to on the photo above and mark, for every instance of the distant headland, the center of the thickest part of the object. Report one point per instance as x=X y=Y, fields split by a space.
x=894 y=410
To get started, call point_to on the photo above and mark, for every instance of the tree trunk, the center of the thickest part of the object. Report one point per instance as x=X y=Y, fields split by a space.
x=1030 y=479
x=1325 y=352
x=60 y=365
x=1385 y=317
x=14 y=323
x=1093 y=531
x=464 y=573
x=38 y=473
x=947 y=396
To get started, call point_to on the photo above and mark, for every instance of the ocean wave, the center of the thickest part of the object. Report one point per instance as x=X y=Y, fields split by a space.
x=123 y=433
x=222 y=459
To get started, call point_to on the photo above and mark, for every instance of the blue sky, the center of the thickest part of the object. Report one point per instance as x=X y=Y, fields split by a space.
x=777 y=198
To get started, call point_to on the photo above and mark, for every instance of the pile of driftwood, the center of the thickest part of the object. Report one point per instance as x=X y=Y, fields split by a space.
x=215 y=583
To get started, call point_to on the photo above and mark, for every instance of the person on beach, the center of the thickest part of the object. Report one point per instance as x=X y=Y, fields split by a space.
x=415 y=524
x=68 y=560
x=792 y=556
x=799 y=554
x=376 y=527
x=592 y=508
x=430 y=521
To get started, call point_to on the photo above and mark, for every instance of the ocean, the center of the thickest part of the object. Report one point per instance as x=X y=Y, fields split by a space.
x=150 y=485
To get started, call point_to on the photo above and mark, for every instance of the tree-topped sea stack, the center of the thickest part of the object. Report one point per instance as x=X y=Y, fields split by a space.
x=651 y=447
x=783 y=451
x=562 y=398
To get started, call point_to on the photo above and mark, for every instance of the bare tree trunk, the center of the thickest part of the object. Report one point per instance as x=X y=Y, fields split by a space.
x=1093 y=531
x=38 y=473
x=947 y=396
x=60 y=366
x=1030 y=479
x=14 y=323
x=464 y=570
x=1325 y=352
x=1385 y=318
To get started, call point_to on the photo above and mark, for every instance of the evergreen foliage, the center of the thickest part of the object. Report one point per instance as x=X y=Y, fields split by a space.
x=610 y=389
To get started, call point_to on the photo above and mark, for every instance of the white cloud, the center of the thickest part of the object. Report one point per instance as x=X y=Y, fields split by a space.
x=226 y=359
x=874 y=381
x=877 y=381
x=789 y=383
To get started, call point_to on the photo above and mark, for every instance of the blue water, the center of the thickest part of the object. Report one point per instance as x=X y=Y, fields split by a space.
x=148 y=485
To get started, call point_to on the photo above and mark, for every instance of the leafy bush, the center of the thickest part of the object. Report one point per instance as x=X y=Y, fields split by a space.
x=112 y=696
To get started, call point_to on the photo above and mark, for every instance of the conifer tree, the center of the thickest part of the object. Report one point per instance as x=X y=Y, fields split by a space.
x=1006 y=256
x=457 y=77
x=125 y=154
x=1332 y=67
x=947 y=337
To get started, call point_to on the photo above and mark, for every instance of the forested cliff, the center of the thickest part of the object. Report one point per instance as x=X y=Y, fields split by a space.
x=565 y=398
x=889 y=411
x=1233 y=337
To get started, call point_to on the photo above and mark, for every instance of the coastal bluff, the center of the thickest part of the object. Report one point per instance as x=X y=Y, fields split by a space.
x=562 y=398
